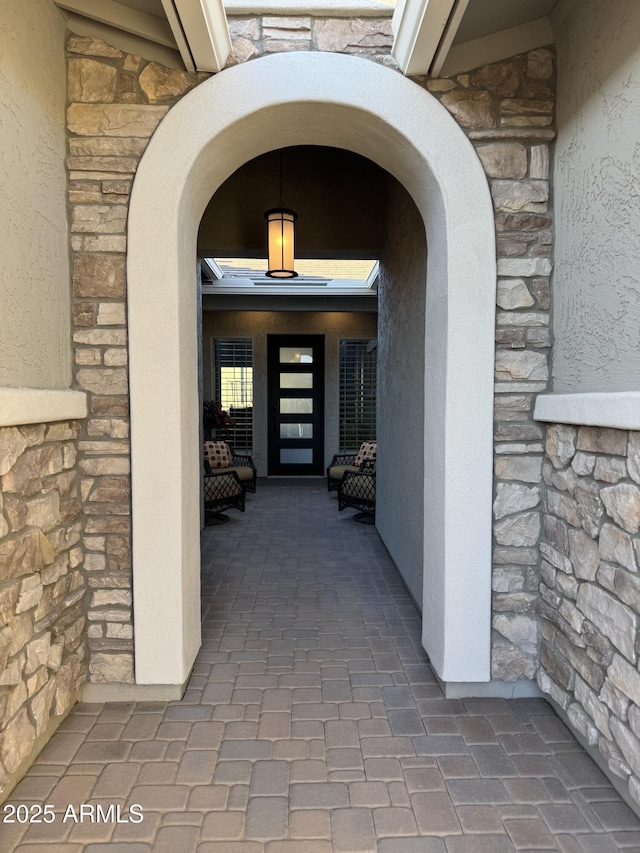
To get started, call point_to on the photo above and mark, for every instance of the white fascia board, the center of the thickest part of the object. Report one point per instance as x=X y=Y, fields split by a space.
x=247 y=287
x=419 y=26
x=450 y=33
x=497 y=46
x=372 y=278
x=213 y=267
x=201 y=31
x=310 y=8
x=122 y=18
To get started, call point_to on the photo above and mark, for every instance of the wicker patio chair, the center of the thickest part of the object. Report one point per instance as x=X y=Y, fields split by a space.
x=223 y=490
x=221 y=457
x=357 y=489
x=343 y=462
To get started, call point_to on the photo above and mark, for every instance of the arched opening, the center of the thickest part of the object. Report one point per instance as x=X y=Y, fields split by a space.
x=340 y=101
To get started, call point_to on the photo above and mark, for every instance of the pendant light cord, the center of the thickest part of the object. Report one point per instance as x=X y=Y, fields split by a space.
x=280 y=204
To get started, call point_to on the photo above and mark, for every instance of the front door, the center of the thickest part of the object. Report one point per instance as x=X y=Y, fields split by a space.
x=296 y=404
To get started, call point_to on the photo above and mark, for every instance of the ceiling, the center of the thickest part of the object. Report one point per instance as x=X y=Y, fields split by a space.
x=323 y=185
x=438 y=37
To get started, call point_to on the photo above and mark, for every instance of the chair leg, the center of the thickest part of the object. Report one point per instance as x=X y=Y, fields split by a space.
x=212 y=518
x=365 y=517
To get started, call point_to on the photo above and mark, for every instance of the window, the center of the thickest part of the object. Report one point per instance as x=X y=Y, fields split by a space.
x=233 y=372
x=357 y=394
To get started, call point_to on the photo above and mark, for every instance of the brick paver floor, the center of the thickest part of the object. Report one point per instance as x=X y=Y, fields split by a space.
x=313 y=724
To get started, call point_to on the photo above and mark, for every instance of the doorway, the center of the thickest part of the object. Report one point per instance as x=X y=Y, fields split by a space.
x=295 y=367
x=343 y=101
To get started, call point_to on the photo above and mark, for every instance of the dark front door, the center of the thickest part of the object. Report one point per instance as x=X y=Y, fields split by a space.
x=296 y=404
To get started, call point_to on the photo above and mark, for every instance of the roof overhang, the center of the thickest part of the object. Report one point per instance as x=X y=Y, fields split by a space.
x=201 y=32
x=196 y=28
x=427 y=39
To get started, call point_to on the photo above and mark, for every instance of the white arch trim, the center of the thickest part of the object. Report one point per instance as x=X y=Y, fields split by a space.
x=355 y=104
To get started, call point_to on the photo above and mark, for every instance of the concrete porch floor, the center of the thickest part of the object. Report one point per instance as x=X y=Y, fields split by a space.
x=313 y=723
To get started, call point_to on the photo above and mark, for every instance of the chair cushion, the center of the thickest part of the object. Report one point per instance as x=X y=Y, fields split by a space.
x=217 y=454
x=244 y=472
x=337 y=471
x=367 y=451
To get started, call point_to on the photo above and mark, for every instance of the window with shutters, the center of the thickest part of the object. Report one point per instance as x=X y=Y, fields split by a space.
x=233 y=372
x=357 y=393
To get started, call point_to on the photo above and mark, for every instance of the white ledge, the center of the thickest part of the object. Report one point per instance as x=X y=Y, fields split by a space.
x=616 y=409
x=310 y=8
x=20 y=406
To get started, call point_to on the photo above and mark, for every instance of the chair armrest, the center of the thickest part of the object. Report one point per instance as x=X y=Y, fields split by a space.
x=354 y=475
x=343 y=459
x=242 y=459
x=223 y=472
x=368 y=466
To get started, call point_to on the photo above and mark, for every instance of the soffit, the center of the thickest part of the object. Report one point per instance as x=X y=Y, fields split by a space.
x=440 y=37
x=485 y=17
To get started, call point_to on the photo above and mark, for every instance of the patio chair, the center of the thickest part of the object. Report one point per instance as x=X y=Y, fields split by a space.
x=223 y=490
x=357 y=489
x=222 y=458
x=361 y=461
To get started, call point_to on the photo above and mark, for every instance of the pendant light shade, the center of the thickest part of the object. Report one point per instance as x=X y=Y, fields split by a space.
x=281 y=238
x=281 y=227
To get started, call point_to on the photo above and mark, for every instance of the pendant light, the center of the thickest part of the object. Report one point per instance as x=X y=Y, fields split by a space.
x=281 y=238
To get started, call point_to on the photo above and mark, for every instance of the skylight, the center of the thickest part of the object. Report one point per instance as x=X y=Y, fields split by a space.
x=329 y=270
x=244 y=276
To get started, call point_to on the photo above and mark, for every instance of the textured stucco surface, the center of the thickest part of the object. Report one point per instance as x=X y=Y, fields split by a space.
x=257 y=325
x=597 y=186
x=402 y=297
x=35 y=340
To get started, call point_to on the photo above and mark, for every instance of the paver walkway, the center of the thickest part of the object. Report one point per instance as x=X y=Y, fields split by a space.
x=313 y=724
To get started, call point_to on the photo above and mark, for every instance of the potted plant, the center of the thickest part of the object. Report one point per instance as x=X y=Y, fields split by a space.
x=217 y=422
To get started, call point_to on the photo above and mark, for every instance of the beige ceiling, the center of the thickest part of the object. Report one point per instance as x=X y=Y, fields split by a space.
x=152 y=7
x=484 y=17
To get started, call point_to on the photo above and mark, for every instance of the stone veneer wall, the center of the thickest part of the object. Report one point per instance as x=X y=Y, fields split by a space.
x=507 y=110
x=42 y=587
x=590 y=590
x=116 y=102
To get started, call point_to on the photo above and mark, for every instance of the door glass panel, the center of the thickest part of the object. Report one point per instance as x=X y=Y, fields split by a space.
x=296 y=456
x=296 y=380
x=296 y=406
x=296 y=430
x=296 y=355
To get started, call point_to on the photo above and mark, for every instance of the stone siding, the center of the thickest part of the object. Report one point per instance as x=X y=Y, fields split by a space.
x=590 y=590
x=506 y=109
x=42 y=587
x=116 y=102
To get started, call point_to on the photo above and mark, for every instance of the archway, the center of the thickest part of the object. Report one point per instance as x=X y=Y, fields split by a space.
x=351 y=103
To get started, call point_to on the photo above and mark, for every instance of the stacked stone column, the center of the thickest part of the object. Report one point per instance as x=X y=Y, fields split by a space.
x=42 y=588
x=590 y=590
x=507 y=111
x=116 y=102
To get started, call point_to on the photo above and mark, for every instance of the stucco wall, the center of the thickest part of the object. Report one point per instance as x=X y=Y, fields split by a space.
x=597 y=187
x=35 y=341
x=402 y=299
x=257 y=325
